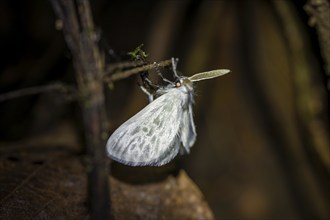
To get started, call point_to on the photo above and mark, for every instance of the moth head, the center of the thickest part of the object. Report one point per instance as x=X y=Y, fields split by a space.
x=178 y=83
x=184 y=83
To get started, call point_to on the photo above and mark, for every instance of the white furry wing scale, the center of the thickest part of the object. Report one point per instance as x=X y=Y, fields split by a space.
x=150 y=137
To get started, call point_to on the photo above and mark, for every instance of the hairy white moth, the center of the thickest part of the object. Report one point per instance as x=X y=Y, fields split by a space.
x=155 y=134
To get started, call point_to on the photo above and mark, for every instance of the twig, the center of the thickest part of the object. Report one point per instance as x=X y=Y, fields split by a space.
x=60 y=87
x=111 y=68
x=124 y=74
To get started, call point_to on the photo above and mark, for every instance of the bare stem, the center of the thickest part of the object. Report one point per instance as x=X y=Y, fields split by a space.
x=111 y=68
x=67 y=89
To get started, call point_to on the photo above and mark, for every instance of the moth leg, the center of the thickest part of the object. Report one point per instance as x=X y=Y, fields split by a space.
x=150 y=83
x=161 y=75
x=150 y=96
x=148 y=87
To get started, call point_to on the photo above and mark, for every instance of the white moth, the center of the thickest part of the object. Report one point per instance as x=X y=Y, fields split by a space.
x=154 y=135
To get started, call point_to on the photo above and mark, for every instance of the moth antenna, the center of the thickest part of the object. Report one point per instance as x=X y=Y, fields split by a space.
x=174 y=65
x=208 y=75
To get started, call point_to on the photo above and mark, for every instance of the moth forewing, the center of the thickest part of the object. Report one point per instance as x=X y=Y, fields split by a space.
x=150 y=136
x=208 y=75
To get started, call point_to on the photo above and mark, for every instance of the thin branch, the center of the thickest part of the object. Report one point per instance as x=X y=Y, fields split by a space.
x=111 y=68
x=124 y=74
x=66 y=89
x=60 y=87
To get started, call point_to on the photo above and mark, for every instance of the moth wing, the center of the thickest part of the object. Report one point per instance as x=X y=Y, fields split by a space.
x=151 y=136
x=188 y=130
x=166 y=157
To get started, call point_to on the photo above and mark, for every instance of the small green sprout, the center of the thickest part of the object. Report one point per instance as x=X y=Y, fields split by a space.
x=138 y=53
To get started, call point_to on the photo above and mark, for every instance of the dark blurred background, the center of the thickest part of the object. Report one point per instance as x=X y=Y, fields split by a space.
x=262 y=150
